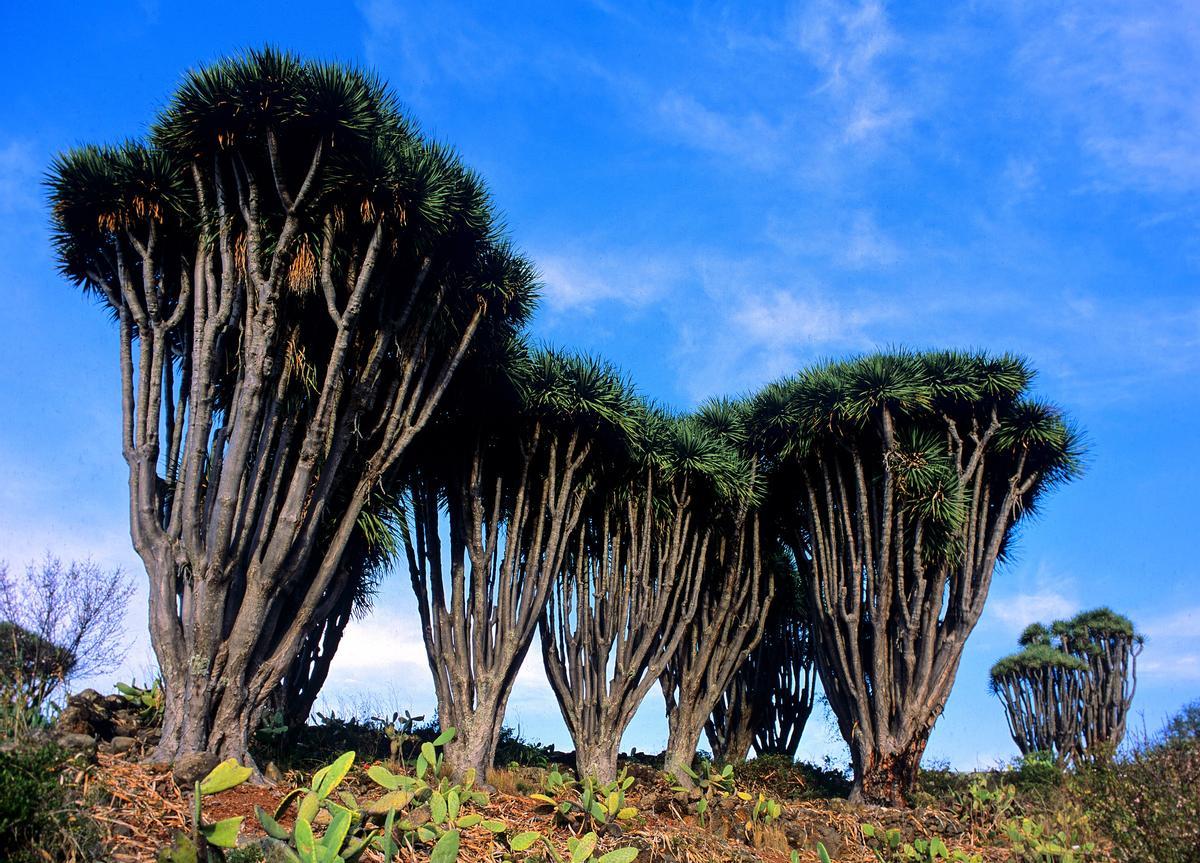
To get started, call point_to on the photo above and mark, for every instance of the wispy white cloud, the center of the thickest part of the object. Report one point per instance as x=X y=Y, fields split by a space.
x=752 y=138
x=1183 y=623
x=849 y=43
x=808 y=94
x=1122 y=77
x=1037 y=594
x=852 y=240
x=1019 y=610
x=579 y=280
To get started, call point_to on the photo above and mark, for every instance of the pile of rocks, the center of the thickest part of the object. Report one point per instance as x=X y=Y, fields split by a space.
x=92 y=723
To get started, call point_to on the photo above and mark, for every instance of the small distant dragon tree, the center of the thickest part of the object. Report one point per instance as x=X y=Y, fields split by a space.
x=1041 y=687
x=900 y=477
x=295 y=273
x=492 y=506
x=1069 y=690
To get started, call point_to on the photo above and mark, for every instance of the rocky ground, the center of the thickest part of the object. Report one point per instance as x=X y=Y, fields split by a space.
x=140 y=805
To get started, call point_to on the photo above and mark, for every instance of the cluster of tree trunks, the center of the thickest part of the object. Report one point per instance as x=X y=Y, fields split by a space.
x=619 y=610
x=1068 y=693
x=767 y=703
x=725 y=629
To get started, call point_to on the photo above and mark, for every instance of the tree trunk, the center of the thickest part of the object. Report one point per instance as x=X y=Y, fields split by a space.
x=731 y=726
x=884 y=776
x=682 y=740
x=198 y=719
x=735 y=746
x=474 y=743
x=597 y=757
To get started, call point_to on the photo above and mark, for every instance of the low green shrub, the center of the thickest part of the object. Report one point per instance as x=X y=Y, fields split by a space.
x=1147 y=802
x=41 y=818
x=513 y=749
x=1066 y=838
x=1037 y=771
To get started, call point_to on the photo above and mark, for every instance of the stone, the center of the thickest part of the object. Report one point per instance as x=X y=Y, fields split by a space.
x=79 y=744
x=122 y=744
x=194 y=766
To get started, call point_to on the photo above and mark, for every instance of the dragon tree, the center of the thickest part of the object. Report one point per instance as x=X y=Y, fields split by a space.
x=767 y=703
x=493 y=503
x=1041 y=688
x=631 y=581
x=900 y=477
x=738 y=587
x=1069 y=690
x=295 y=273
x=1108 y=645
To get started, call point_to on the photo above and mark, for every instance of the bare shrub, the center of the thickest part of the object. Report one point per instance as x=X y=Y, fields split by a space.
x=58 y=623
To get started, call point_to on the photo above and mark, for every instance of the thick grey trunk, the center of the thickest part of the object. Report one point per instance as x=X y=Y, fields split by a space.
x=474 y=745
x=682 y=741
x=598 y=757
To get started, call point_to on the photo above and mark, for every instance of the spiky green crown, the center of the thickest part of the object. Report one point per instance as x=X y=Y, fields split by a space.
x=1034 y=657
x=1034 y=633
x=816 y=414
x=375 y=162
x=1074 y=638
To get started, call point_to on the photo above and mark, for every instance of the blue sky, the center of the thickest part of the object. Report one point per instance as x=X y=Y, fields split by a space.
x=715 y=198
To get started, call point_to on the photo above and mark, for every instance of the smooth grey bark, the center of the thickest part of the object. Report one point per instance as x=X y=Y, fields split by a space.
x=889 y=624
x=736 y=714
x=726 y=627
x=483 y=585
x=618 y=610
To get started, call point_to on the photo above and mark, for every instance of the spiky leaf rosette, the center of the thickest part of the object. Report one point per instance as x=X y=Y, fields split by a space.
x=1033 y=658
x=908 y=414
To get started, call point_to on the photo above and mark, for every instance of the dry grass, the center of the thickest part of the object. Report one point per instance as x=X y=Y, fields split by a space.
x=144 y=807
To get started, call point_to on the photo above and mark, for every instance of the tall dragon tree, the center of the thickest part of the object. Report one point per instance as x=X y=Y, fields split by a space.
x=492 y=506
x=295 y=273
x=631 y=581
x=900 y=477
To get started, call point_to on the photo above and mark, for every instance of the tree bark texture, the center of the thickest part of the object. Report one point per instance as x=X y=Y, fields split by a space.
x=890 y=619
x=1107 y=688
x=619 y=609
x=482 y=575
